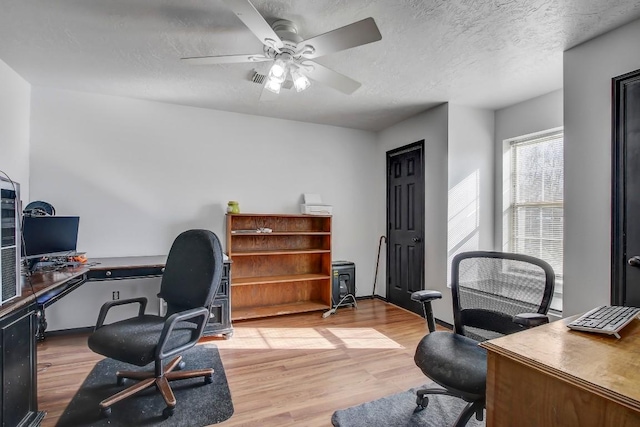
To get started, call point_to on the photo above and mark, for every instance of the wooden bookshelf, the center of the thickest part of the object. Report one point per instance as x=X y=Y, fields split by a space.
x=283 y=271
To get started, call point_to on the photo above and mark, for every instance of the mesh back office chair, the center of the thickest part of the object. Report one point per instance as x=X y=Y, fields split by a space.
x=494 y=294
x=189 y=284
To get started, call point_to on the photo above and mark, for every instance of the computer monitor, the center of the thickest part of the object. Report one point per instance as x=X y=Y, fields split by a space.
x=49 y=236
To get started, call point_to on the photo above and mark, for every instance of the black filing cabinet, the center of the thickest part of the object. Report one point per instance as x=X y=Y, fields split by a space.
x=220 y=316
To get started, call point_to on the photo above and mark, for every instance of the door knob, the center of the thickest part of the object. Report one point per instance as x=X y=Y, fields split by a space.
x=634 y=261
x=417 y=239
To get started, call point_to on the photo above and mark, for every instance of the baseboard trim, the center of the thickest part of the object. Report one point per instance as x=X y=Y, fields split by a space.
x=438 y=321
x=372 y=297
x=444 y=324
x=86 y=329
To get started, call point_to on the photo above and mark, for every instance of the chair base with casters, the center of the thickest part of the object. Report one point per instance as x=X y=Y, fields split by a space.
x=475 y=407
x=182 y=334
x=148 y=379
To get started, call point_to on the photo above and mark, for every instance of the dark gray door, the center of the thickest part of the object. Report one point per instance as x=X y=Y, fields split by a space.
x=626 y=191
x=405 y=224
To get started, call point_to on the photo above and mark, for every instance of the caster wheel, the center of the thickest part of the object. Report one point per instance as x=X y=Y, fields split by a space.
x=208 y=379
x=168 y=412
x=422 y=403
x=120 y=381
x=181 y=365
x=105 y=412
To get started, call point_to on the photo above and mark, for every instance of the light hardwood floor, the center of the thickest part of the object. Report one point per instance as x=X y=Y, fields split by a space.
x=291 y=370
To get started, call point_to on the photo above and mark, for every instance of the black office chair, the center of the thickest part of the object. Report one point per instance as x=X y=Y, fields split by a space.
x=189 y=284
x=494 y=294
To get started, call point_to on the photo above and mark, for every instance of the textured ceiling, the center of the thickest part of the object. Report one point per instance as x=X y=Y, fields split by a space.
x=482 y=53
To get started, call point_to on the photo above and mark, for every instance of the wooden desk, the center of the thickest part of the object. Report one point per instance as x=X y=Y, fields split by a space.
x=18 y=324
x=553 y=376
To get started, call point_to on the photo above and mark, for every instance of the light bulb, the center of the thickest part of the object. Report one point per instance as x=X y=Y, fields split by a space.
x=278 y=71
x=300 y=81
x=273 y=85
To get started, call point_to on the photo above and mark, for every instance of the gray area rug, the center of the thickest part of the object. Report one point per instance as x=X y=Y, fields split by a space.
x=198 y=404
x=397 y=410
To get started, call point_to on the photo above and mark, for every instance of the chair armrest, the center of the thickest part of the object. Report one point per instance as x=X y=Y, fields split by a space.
x=529 y=320
x=107 y=306
x=425 y=297
x=200 y=314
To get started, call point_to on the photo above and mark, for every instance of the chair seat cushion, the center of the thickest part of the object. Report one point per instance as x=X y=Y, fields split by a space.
x=135 y=340
x=455 y=362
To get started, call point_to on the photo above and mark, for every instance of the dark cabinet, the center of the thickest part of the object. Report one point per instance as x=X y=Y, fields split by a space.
x=18 y=398
x=220 y=316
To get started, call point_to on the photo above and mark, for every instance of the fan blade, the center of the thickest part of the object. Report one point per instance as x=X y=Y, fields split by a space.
x=356 y=34
x=225 y=59
x=250 y=16
x=328 y=77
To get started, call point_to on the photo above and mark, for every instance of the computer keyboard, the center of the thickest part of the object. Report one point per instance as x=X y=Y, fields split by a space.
x=607 y=319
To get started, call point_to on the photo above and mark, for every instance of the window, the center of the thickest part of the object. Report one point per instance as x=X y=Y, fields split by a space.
x=537 y=202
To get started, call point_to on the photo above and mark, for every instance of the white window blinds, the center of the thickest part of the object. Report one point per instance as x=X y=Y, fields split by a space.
x=537 y=209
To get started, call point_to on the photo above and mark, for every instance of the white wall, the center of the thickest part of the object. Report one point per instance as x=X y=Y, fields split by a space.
x=534 y=115
x=588 y=70
x=138 y=173
x=458 y=149
x=432 y=127
x=15 y=95
x=471 y=176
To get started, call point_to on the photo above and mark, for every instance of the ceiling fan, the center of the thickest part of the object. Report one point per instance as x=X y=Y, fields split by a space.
x=291 y=55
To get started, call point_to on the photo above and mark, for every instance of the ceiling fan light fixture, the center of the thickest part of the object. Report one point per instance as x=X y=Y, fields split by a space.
x=273 y=85
x=279 y=69
x=300 y=81
x=289 y=51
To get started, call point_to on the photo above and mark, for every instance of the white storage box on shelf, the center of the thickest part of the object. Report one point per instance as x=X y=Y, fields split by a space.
x=313 y=205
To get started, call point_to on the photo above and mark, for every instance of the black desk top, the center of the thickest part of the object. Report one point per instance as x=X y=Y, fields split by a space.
x=127 y=262
x=40 y=283
x=44 y=283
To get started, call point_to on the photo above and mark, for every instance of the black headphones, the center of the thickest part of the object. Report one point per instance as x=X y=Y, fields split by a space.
x=39 y=208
